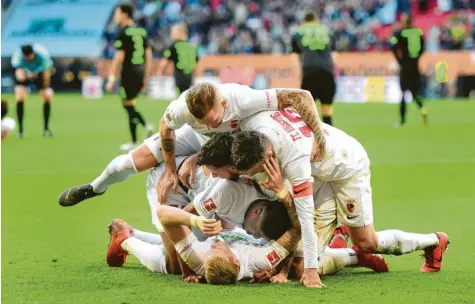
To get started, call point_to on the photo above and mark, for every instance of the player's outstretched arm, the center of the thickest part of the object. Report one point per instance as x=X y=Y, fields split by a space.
x=303 y=102
x=171 y=216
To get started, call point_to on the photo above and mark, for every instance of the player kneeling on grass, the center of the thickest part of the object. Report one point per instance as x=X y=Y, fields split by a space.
x=347 y=168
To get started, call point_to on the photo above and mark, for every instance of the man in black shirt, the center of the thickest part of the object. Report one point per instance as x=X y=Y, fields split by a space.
x=183 y=55
x=408 y=46
x=313 y=43
x=135 y=57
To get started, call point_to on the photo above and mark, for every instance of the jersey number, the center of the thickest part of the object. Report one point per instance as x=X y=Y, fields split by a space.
x=315 y=38
x=413 y=41
x=293 y=117
x=138 y=54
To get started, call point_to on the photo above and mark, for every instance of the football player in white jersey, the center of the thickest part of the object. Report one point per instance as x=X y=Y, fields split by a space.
x=208 y=108
x=346 y=168
x=223 y=107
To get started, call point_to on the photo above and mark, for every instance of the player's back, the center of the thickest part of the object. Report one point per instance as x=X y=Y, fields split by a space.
x=132 y=39
x=345 y=156
x=313 y=42
x=290 y=136
x=410 y=42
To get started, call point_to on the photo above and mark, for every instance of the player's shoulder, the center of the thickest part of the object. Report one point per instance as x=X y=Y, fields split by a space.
x=40 y=49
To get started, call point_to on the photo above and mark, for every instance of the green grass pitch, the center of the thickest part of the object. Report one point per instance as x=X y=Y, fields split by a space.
x=422 y=182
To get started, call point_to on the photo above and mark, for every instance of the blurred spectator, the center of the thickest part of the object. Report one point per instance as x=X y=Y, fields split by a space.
x=254 y=26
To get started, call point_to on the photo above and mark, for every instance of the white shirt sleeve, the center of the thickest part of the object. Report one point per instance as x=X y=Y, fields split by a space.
x=177 y=113
x=250 y=101
x=266 y=257
x=215 y=200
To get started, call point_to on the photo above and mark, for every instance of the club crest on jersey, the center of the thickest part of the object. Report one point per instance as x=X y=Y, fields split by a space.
x=209 y=205
x=351 y=206
x=168 y=116
x=273 y=257
x=234 y=124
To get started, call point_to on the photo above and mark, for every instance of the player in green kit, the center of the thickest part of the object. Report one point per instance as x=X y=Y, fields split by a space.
x=183 y=55
x=135 y=57
x=408 y=46
x=313 y=43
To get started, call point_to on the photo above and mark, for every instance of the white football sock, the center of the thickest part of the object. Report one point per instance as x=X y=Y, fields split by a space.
x=398 y=242
x=347 y=255
x=151 y=256
x=119 y=169
x=148 y=237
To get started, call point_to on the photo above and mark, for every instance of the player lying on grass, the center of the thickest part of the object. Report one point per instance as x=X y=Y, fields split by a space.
x=347 y=168
x=221 y=106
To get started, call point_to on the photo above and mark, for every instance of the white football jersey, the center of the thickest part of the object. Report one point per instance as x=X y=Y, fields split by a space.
x=240 y=102
x=345 y=156
x=292 y=141
x=228 y=199
x=253 y=257
x=291 y=138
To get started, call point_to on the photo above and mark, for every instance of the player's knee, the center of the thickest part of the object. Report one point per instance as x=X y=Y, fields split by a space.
x=20 y=75
x=46 y=94
x=366 y=244
x=143 y=158
x=327 y=109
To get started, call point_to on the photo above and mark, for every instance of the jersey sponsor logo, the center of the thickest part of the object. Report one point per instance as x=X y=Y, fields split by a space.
x=273 y=257
x=350 y=217
x=209 y=205
x=188 y=246
x=351 y=206
x=268 y=99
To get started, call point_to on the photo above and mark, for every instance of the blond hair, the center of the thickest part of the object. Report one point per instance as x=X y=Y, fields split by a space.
x=200 y=99
x=220 y=271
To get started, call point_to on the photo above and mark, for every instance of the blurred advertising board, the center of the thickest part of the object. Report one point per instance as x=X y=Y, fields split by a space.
x=67 y=28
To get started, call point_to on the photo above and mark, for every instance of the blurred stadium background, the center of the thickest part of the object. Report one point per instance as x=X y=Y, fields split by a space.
x=80 y=34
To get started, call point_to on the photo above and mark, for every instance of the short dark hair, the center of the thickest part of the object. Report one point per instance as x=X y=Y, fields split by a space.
x=310 y=17
x=200 y=99
x=27 y=49
x=4 y=108
x=275 y=220
x=248 y=149
x=217 y=151
x=127 y=9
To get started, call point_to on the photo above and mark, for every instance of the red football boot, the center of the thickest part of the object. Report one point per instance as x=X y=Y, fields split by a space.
x=119 y=232
x=433 y=256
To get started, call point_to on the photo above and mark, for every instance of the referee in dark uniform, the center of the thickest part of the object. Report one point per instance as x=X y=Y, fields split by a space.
x=313 y=42
x=183 y=55
x=408 y=47
x=134 y=56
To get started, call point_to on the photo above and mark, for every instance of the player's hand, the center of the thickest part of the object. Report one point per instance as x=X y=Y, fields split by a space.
x=279 y=278
x=193 y=278
x=144 y=85
x=261 y=276
x=275 y=181
x=210 y=227
x=110 y=85
x=187 y=171
x=167 y=181
x=310 y=278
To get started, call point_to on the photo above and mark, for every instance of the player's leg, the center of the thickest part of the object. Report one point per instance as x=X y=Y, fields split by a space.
x=42 y=82
x=123 y=243
x=416 y=93
x=355 y=209
x=21 y=81
x=326 y=93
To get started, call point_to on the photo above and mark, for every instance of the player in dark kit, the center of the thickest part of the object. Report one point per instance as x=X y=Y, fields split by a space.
x=408 y=46
x=183 y=55
x=135 y=57
x=313 y=43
